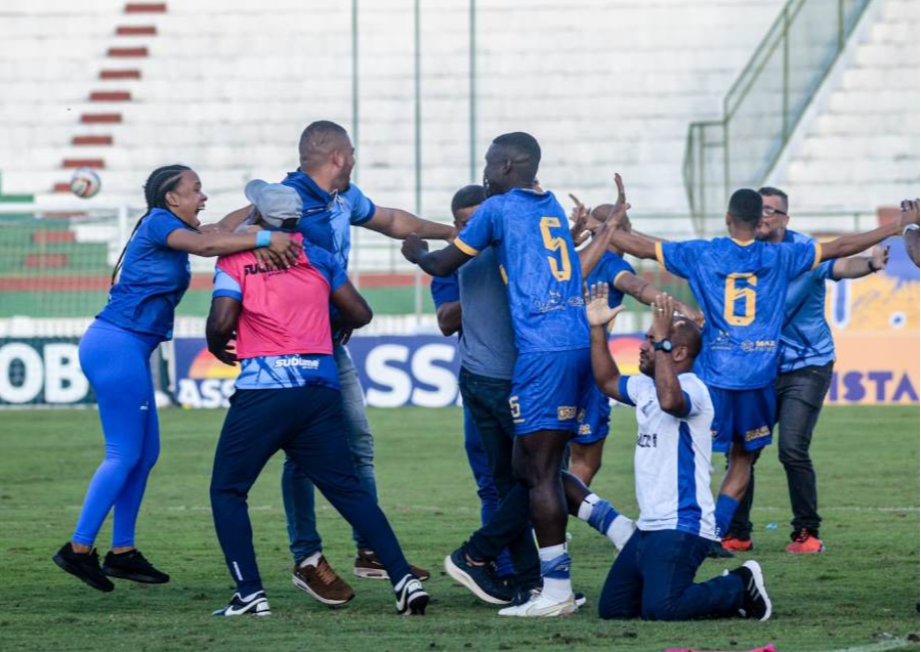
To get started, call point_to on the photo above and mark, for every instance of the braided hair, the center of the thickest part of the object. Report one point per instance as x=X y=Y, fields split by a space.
x=161 y=181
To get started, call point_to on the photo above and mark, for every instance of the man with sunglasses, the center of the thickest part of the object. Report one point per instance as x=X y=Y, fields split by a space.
x=807 y=356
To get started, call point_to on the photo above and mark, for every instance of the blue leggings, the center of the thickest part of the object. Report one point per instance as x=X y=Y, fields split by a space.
x=117 y=363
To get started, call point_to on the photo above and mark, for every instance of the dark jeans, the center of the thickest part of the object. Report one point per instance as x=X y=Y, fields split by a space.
x=653 y=578
x=800 y=395
x=307 y=423
x=487 y=401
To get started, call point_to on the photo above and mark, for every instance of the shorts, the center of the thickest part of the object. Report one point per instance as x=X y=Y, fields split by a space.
x=593 y=419
x=745 y=415
x=548 y=389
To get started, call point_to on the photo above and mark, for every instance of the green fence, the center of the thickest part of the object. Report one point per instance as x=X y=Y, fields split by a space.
x=766 y=102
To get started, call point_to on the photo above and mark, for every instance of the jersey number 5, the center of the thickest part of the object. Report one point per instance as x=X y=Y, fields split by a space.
x=561 y=269
x=740 y=286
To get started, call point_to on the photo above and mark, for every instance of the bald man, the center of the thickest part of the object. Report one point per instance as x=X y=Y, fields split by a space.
x=653 y=576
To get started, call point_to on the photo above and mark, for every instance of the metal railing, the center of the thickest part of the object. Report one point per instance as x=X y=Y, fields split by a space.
x=766 y=102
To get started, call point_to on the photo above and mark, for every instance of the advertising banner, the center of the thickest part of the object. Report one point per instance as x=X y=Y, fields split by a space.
x=42 y=371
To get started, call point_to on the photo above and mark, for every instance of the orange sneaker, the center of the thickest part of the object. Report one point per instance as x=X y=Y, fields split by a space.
x=733 y=544
x=805 y=543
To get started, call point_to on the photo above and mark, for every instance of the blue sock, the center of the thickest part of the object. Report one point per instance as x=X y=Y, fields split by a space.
x=725 y=509
x=598 y=513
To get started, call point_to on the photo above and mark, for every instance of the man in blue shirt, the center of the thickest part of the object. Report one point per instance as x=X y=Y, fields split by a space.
x=486 y=344
x=331 y=206
x=741 y=285
x=528 y=231
x=807 y=356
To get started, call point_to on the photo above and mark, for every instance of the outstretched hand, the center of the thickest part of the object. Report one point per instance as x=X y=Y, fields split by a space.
x=879 y=258
x=663 y=311
x=414 y=247
x=618 y=215
x=597 y=308
x=579 y=218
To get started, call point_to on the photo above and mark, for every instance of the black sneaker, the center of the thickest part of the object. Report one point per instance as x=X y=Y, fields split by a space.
x=132 y=565
x=755 y=601
x=255 y=604
x=84 y=567
x=479 y=580
x=717 y=551
x=411 y=597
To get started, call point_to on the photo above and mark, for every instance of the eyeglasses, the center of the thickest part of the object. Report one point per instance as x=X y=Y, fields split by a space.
x=769 y=211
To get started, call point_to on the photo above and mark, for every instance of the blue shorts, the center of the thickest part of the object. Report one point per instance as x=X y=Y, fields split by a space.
x=593 y=419
x=745 y=415
x=548 y=389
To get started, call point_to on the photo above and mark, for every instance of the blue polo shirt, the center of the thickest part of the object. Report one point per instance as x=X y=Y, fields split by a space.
x=327 y=218
x=806 y=339
x=152 y=281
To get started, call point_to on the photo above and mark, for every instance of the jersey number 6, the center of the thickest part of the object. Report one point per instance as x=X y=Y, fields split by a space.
x=561 y=269
x=735 y=291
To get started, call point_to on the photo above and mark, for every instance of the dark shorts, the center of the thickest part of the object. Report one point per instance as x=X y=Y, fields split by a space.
x=745 y=415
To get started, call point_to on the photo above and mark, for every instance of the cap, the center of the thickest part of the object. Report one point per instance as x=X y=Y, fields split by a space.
x=280 y=206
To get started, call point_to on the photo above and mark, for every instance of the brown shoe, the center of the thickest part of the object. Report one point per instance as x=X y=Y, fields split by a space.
x=322 y=583
x=369 y=567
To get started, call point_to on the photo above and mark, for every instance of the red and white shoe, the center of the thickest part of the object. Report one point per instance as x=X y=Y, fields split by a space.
x=805 y=543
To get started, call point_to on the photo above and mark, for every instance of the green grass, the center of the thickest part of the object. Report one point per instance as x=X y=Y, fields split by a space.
x=859 y=593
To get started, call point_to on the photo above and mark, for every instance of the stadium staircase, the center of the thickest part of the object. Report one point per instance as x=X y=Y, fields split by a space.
x=821 y=109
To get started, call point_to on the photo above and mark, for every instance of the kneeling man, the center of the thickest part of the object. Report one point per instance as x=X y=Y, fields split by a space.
x=653 y=576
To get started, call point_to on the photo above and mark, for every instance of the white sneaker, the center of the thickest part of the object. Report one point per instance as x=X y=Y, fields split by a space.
x=540 y=607
x=251 y=605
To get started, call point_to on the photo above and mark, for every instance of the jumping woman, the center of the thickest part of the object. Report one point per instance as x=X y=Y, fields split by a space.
x=115 y=356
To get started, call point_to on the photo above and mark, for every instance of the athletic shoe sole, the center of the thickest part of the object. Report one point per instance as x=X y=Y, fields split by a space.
x=67 y=567
x=370 y=573
x=122 y=575
x=303 y=586
x=556 y=611
x=460 y=576
x=758 y=576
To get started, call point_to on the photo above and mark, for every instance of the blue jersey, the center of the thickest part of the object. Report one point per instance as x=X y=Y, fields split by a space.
x=327 y=218
x=741 y=288
x=806 y=339
x=152 y=281
x=608 y=269
x=530 y=234
x=445 y=290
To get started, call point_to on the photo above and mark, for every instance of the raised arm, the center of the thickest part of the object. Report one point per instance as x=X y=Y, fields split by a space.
x=231 y=221
x=668 y=389
x=434 y=263
x=600 y=314
x=221 y=327
x=280 y=247
x=399 y=224
x=646 y=292
x=590 y=256
x=860 y=266
x=848 y=245
x=634 y=244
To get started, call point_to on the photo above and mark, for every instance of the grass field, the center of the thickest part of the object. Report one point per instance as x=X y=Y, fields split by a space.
x=861 y=593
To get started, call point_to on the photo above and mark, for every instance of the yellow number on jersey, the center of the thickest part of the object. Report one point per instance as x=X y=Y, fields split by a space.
x=733 y=292
x=515 y=406
x=561 y=269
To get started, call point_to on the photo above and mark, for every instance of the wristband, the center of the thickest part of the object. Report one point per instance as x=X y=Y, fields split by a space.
x=909 y=227
x=263 y=239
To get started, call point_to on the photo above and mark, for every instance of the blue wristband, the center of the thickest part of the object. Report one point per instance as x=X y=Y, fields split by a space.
x=263 y=239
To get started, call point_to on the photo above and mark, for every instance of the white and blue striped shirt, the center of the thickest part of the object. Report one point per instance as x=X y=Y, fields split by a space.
x=672 y=460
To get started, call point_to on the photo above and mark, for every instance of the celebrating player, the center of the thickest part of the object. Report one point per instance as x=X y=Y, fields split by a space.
x=741 y=286
x=807 y=356
x=552 y=374
x=287 y=397
x=587 y=447
x=115 y=356
x=653 y=576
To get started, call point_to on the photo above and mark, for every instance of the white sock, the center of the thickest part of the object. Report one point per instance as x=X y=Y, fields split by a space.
x=620 y=531
x=312 y=560
x=586 y=506
x=555 y=589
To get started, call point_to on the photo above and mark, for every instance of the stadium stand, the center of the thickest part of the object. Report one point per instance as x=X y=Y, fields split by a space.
x=858 y=145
